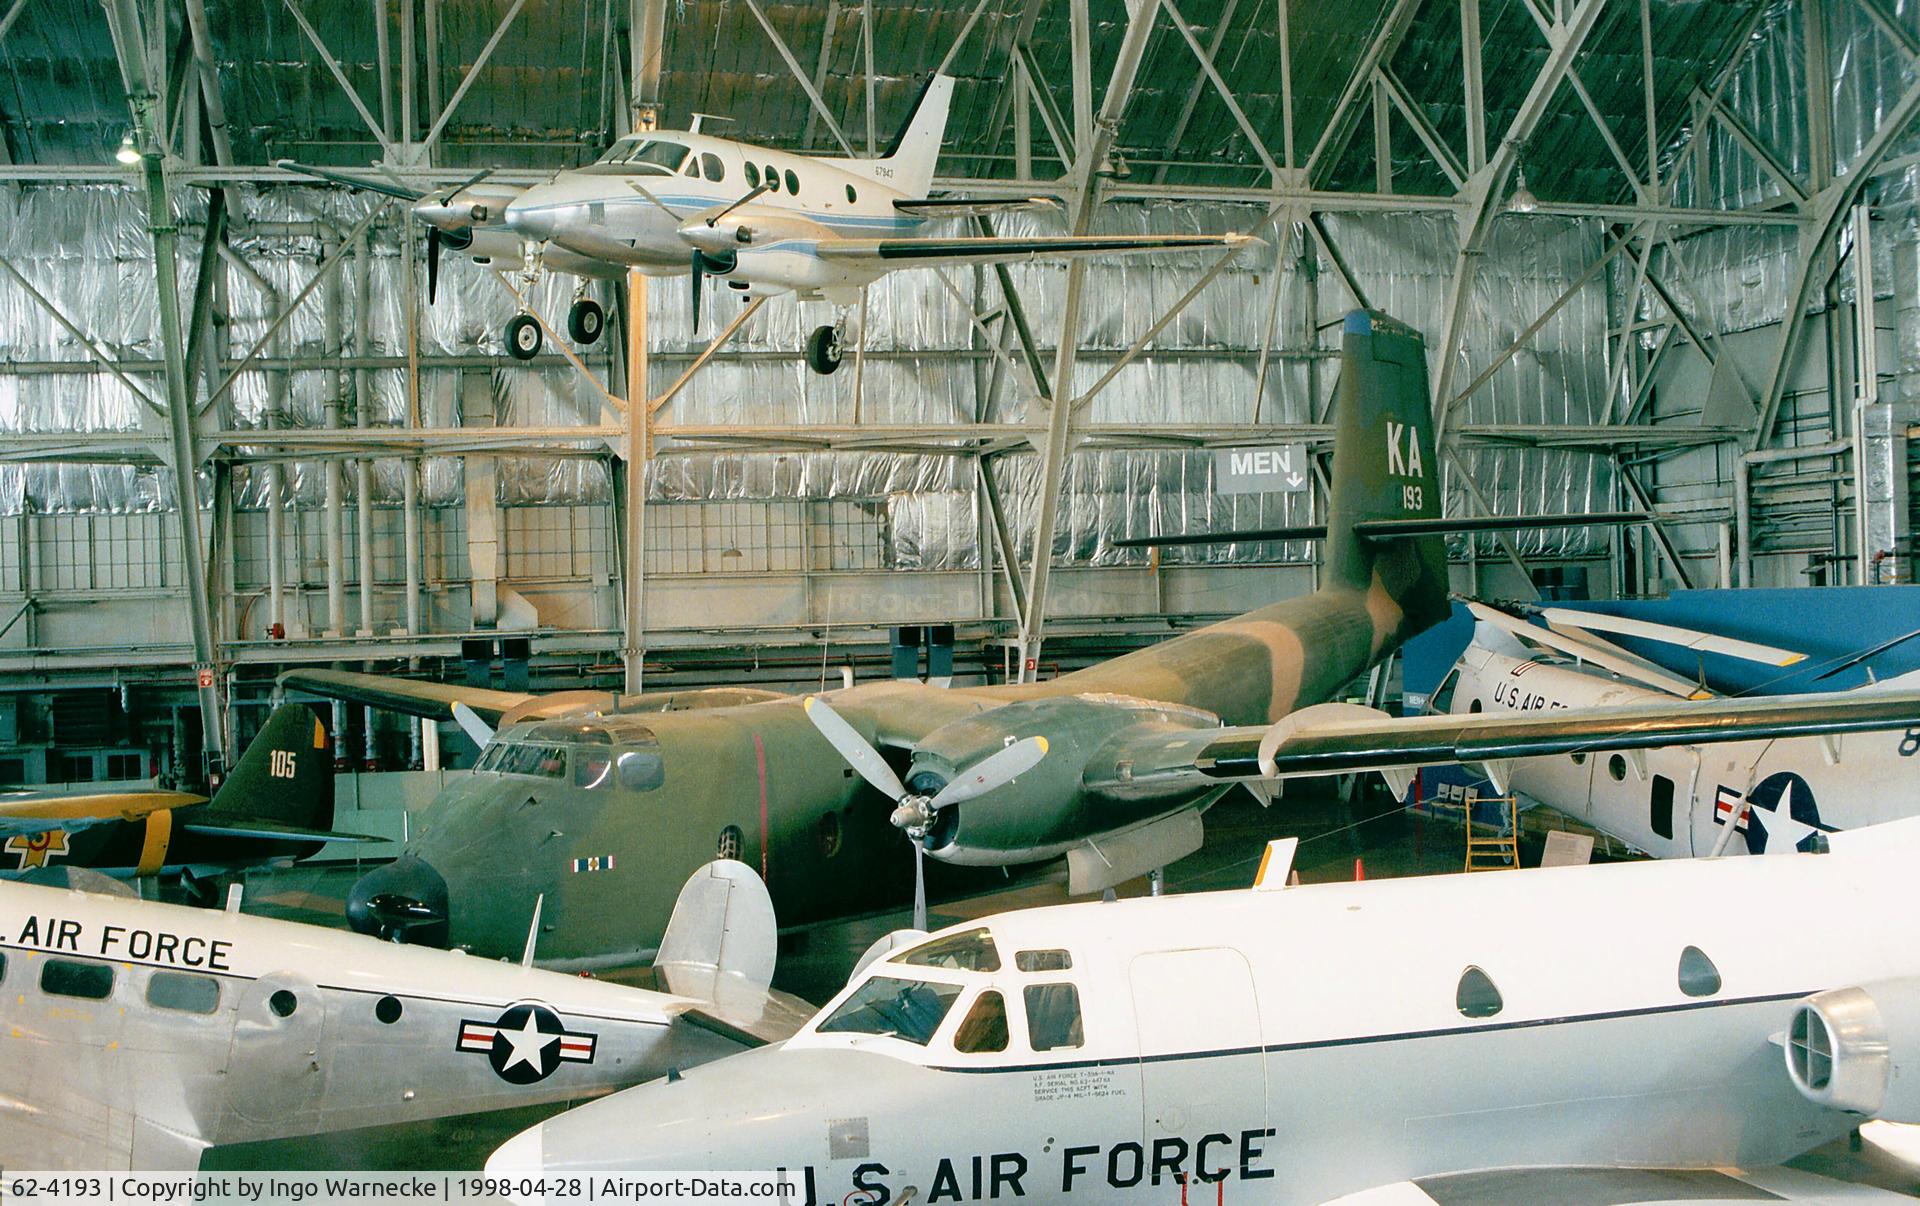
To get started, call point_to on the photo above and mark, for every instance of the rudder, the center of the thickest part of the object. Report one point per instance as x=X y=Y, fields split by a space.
x=1385 y=467
x=286 y=775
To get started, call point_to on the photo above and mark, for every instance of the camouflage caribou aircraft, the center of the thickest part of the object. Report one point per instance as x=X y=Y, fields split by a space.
x=601 y=805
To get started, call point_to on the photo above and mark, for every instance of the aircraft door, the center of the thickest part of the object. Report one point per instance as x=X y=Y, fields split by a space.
x=1186 y=1003
x=276 y=1066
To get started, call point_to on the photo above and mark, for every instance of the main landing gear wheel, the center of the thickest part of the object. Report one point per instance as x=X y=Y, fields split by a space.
x=523 y=337
x=823 y=350
x=586 y=321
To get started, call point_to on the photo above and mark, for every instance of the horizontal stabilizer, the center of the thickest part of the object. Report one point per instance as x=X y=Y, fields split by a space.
x=268 y=831
x=962 y=207
x=1389 y=529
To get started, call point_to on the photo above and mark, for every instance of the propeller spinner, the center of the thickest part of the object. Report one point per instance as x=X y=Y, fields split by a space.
x=915 y=812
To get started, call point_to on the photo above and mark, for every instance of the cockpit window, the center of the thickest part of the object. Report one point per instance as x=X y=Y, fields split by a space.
x=972 y=950
x=619 y=150
x=591 y=768
x=1441 y=701
x=984 y=1029
x=1053 y=1016
x=539 y=760
x=654 y=153
x=640 y=767
x=1043 y=961
x=902 y=1009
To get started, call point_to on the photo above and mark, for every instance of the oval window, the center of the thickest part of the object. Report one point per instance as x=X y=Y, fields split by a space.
x=283 y=1003
x=1476 y=996
x=793 y=183
x=753 y=174
x=773 y=178
x=1579 y=759
x=851 y=195
x=387 y=1010
x=1698 y=976
x=1616 y=768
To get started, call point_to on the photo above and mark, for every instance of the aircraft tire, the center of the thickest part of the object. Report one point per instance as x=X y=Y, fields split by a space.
x=586 y=321
x=823 y=351
x=523 y=337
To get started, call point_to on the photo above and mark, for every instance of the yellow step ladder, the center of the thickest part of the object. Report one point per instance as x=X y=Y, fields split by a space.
x=1500 y=852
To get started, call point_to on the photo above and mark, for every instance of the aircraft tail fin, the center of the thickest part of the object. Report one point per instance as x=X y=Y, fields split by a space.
x=1386 y=468
x=907 y=164
x=284 y=778
x=720 y=943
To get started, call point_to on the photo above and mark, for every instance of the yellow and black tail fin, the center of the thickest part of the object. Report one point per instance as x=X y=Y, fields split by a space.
x=282 y=787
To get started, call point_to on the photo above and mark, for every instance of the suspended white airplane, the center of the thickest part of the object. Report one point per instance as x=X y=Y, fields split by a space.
x=1298 y=1044
x=138 y=1034
x=1755 y=796
x=762 y=221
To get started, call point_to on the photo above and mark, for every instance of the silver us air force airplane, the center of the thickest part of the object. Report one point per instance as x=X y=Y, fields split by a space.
x=1769 y=796
x=761 y=222
x=1459 y=1038
x=138 y=1034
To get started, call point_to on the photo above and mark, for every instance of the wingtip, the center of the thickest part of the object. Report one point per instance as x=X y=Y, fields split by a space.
x=1043 y=744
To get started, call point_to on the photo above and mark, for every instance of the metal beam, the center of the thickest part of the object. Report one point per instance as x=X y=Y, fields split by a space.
x=1227 y=98
x=85 y=341
x=1179 y=131
x=340 y=77
x=1429 y=137
x=1642 y=501
x=827 y=29
x=1386 y=39
x=793 y=65
x=473 y=73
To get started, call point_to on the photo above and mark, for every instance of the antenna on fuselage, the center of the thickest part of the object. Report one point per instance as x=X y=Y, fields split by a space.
x=533 y=931
x=700 y=120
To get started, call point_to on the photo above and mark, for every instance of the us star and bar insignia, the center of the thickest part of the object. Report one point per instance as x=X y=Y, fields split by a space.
x=527 y=1043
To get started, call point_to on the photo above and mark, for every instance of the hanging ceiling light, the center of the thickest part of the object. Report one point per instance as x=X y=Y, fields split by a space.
x=128 y=153
x=1522 y=201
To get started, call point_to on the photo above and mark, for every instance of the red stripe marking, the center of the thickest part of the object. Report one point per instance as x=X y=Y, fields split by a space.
x=760 y=765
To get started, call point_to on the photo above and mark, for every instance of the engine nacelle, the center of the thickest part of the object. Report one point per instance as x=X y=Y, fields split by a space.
x=1858 y=1049
x=1047 y=810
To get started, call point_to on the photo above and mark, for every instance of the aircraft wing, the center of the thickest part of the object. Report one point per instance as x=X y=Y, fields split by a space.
x=962 y=207
x=1623 y=1186
x=925 y=253
x=406 y=695
x=269 y=831
x=33 y=814
x=1338 y=739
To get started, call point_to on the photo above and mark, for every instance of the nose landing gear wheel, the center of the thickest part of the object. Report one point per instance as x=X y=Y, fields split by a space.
x=585 y=322
x=823 y=350
x=523 y=337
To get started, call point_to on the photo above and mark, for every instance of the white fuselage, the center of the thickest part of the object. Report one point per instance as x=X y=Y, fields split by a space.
x=1299 y=1044
x=135 y=1034
x=1675 y=802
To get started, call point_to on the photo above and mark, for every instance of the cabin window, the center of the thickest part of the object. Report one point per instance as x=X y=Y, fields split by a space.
x=1616 y=768
x=851 y=195
x=793 y=183
x=753 y=174
x=1043 y=961
x=591 y=768
x=1053 y=1016
x=711 y=167
x=639 y=767
x=1660 y=806
x=972 y=950
x=1579 y=759
x=773 y=178
x=1698 y=976
x=1476 y=996
x=183 y=993
x=387 y=1010
x=984 y=1029
x=1475 y=707
x=3 y=967
x=65 y=978
x=904 y=1009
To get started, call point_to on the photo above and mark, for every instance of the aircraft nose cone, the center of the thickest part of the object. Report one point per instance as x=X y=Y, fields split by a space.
x=532 y=215
x=405 y=901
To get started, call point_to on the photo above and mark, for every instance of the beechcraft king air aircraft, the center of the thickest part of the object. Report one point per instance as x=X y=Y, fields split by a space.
x=1553 y=1035
x=596 y=801
x=761 y=222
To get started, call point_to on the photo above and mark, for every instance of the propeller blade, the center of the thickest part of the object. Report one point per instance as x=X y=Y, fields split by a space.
x=671 y=212
x=699 y=274
x=995 y=770
x=433 y=263
x=1669 y=634
x=713 y=216
x=1590 y=649
x=860 y=755
x=447 y=197
x=919 y=886
x=471 y=724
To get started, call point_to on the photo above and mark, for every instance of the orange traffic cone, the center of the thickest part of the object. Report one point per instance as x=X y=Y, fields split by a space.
x=1359 y=870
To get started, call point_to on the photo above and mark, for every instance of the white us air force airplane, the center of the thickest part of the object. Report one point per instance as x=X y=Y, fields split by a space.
x=134 y=1035
x=1760 y=797
x=762 y=222
x=1298 y=1044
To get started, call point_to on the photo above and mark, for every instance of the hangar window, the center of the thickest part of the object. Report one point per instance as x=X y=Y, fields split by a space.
x=971 y=950
x=902 y=1009
x=640 y=767
x=183 y=993
x=1698 y=976
x=984 y=1029
x=711 y=167
x=793 y=183
x=753 y=174
x=1616 y=768
x=1053 y=1016
x=1476 y=996
x=1043 y=961
x=65 y=978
